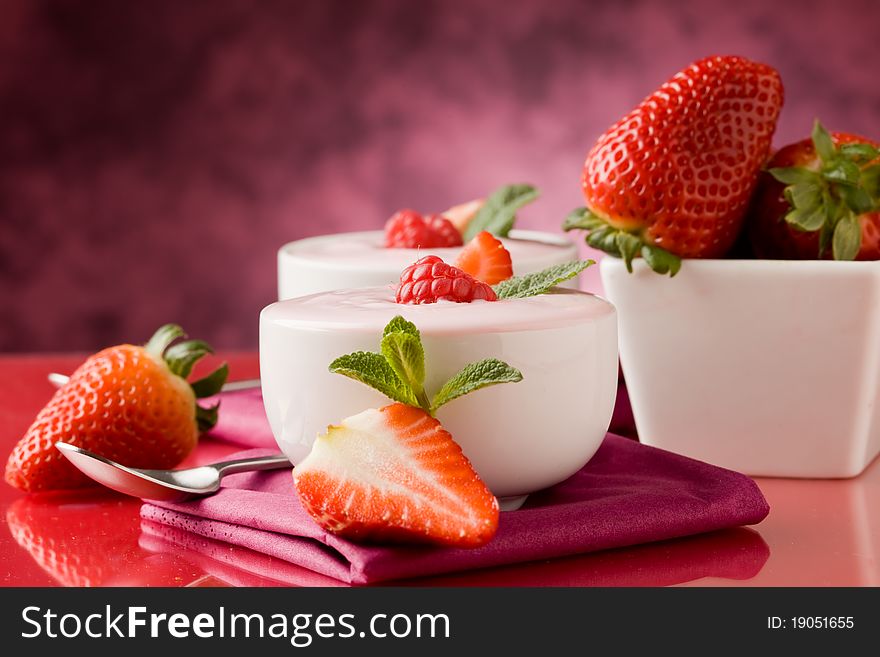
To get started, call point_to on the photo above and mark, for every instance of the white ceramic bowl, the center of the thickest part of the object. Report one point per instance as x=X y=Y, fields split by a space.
x=768 y=367
x=520 y=437
x=349 y=260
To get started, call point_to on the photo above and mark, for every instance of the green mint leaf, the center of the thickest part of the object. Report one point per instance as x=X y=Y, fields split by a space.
x=661 y=260
x=581 y=219
x=374 y=371
x=847 y=238
x=498 y=212
x=822 y=142
x=793 y=175
x=404 y=354
x=488 y=372
x=530 y=285
x=399 y=325
x=861 y=153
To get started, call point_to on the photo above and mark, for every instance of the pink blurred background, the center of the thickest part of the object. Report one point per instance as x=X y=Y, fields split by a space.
x=154 y=155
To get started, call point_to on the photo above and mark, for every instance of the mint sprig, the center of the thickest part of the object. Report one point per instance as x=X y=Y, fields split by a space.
x=402 y=349
x=530 y=285
x=374 y=371
x=398 y=372
x=498 y=213
x=830 y=196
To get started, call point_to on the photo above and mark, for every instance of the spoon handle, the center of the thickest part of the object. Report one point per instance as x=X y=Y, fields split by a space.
x=59 y=380
x=246 y=465
x=246 y=384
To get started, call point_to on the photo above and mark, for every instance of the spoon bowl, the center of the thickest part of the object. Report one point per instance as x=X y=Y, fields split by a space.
x=163 y=485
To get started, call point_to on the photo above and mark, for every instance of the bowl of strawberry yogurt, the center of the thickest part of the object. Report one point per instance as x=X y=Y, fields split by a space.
x=361 y=259
x=376 y=257
x=520 y=437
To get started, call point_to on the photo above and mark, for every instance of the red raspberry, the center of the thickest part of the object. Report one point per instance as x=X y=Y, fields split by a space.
x=407 y=229
x=430 y=280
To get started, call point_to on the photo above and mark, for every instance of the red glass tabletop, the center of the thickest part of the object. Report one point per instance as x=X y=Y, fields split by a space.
x=818 y=533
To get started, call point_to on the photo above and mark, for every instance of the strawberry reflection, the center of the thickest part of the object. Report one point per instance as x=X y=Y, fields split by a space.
x=80 y=539
x=90 y=538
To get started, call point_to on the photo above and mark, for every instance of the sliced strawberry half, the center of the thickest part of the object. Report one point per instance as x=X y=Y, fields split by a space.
x=395 y=474
x=486 y=259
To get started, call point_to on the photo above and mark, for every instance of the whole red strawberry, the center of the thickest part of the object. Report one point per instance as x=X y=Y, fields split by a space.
x=819 y=198
x=408 y=229
x=131 y=404
x=430 y=279
x=673 y=178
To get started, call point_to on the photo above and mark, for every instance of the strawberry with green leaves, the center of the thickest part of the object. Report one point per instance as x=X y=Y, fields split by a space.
x=129 y=403
x=819 y=198
x=673 y=178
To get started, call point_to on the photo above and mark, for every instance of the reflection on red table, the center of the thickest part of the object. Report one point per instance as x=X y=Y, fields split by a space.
x=818 y=532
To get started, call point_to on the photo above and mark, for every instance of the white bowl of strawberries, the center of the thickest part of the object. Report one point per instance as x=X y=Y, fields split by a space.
x=760 y=351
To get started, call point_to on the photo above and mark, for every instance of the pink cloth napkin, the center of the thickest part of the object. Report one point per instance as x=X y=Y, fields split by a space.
x=626 y=495
x=242 y=419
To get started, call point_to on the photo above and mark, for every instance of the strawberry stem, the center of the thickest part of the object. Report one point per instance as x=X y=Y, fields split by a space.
x=182 y=356
x=830 y=197
x=620 y=243
x=206 y=418
x=180 y=359
x=212 y=383
x=162 y=338
x=423 y=400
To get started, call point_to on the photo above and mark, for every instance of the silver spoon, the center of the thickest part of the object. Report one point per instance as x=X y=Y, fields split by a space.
x=164 y=485
x=59 y=380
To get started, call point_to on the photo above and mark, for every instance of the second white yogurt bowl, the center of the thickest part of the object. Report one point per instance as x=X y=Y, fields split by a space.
x=521 y=437
x=350 y=260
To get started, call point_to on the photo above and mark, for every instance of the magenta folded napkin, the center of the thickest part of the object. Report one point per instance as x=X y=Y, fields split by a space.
x=627 y=494
x=242 y=419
